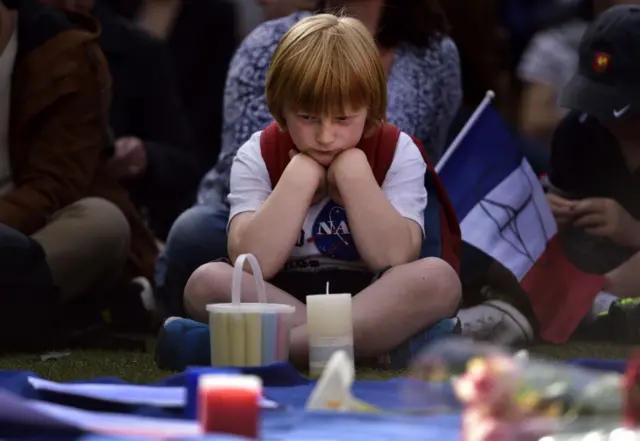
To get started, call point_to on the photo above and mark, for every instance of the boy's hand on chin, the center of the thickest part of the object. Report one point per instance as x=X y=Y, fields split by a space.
x=351 y=162
x=311 y=169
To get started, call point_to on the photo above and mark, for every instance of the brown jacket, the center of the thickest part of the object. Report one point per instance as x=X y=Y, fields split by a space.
x=58 y=127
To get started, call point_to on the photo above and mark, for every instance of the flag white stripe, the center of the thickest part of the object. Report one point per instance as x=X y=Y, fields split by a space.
x=516 y=242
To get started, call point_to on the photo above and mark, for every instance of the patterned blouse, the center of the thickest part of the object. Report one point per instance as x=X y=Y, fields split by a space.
x=423 y=93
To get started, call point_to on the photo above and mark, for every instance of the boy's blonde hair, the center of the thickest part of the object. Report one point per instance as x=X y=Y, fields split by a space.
x=323 y=65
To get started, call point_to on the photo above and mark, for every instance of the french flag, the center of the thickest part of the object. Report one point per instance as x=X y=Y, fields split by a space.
x=503 y=211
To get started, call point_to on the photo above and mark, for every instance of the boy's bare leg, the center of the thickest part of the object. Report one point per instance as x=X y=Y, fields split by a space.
x=404 y=301
x=211 y=283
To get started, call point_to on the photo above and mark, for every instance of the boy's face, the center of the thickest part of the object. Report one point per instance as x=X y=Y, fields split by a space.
x=324 y=137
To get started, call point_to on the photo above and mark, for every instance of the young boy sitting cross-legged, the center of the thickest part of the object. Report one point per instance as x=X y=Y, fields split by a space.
x=326 y=215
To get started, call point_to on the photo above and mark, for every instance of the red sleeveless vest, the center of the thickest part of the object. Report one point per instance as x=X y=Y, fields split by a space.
x=379 y=149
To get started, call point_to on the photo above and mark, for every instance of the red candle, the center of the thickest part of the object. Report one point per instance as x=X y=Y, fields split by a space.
x=229 y=404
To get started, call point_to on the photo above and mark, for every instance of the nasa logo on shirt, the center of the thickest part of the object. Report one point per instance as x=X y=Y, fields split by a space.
x=332 y=235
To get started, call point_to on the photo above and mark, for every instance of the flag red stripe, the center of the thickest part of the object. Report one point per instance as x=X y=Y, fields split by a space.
x=560 y=294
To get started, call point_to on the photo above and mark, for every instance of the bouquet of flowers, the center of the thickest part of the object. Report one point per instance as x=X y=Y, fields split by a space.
x=507 y=398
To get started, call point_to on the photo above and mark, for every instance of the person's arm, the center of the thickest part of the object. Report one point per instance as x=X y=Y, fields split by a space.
x=574 y=153
x=540 y=111
x=66 y=150
x=624 y=281
x=387 y=222
x=263 y=222
x=542 y=69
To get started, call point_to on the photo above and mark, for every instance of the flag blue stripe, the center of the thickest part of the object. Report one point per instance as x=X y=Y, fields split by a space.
x=484 y=158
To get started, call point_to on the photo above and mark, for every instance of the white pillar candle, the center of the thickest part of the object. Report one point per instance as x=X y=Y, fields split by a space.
x=330 y=329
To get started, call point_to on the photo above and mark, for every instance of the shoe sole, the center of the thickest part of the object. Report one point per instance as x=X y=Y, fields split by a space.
x=518 y=318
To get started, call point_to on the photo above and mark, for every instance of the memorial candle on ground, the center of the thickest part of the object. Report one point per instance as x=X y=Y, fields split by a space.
x=330 y=328
x=229 y=404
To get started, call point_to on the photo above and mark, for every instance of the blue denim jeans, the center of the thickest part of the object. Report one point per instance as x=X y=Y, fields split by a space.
x=198 y=236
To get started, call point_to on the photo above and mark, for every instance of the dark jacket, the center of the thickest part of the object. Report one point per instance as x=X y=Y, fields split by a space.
x=58 y=126
x=146 y=104
x=202 y=41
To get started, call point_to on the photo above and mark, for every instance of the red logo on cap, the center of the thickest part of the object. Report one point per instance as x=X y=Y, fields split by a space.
x=601 y=61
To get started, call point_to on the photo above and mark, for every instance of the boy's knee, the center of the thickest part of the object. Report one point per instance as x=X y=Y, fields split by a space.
x=439 y=280
x=203 y=286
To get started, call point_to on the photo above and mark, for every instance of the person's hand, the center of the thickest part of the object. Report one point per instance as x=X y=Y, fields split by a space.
x=349 y=161
x=562 y=209
x=129 y=159
x=316 y=171
x=604 y=217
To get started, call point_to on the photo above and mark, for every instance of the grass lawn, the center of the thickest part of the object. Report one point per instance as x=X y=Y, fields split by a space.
x=139 y=367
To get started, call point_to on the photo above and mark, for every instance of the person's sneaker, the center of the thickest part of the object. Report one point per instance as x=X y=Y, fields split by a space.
x=623 y=320
x=496 y=321
x=181 y=343
x=403 y=355
x=601 y=304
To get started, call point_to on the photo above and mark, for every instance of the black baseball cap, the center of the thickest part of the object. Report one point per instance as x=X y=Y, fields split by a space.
x=607 y=85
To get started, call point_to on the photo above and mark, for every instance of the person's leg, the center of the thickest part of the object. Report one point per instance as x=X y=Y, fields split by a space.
x=86 y=246
x=407 y=299
x=494 y=305
x=198 y=236
x=186 y=342
x=28 y=293
x=211 y=283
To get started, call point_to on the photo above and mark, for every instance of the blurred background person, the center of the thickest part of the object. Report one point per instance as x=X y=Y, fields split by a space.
x=202 y=36
x=548 y=63
x=153 y=151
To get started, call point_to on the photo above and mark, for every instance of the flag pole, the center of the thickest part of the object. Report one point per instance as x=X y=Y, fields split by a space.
x=486 y=101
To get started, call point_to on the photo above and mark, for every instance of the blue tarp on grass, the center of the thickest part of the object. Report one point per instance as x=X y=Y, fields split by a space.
x=285 y=386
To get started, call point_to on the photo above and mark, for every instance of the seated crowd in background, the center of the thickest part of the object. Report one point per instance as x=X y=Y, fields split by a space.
x=114 y=179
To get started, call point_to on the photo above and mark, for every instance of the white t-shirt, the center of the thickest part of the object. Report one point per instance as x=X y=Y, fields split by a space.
x=325 y=231
x=552 y=55
x=7 y=61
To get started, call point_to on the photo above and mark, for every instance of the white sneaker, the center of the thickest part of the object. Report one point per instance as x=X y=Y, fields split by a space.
x=495 y=321
x=146 y=293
